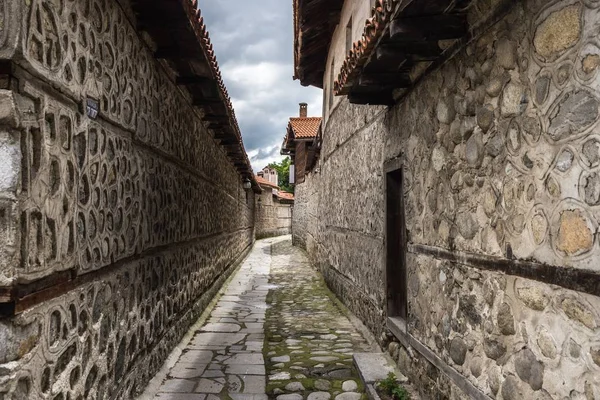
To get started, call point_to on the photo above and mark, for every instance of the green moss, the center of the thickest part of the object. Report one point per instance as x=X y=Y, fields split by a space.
x=304 y=306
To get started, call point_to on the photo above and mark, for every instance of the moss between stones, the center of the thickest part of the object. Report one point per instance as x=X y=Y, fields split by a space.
x=302 y=305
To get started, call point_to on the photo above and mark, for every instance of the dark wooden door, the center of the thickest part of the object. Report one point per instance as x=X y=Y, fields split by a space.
x=395 y=245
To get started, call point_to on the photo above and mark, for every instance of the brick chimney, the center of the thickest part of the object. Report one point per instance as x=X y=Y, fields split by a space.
x=303 y=110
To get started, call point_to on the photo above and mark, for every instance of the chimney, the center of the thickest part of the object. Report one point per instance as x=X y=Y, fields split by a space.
x=303 y=110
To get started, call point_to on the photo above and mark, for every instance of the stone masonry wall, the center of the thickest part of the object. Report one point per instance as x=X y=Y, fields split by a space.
x=501 y=155
x=304 y=217
x=272 y=217
x=140 y=208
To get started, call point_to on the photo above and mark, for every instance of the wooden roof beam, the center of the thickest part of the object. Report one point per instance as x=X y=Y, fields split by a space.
x=206 y=101
x=384 y=98
x=429 y=28
x=194 y=80
x=390 y=79
x=415 y=52
x=215 y=118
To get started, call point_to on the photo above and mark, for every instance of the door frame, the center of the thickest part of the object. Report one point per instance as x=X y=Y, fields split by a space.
x=395 y=165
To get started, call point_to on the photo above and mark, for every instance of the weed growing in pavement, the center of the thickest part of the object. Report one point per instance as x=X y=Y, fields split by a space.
x=390 y=387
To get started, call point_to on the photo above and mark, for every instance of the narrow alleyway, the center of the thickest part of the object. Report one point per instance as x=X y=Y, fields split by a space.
x=276 y=333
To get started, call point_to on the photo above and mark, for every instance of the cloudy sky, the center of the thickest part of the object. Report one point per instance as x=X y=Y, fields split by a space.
x=253 y=42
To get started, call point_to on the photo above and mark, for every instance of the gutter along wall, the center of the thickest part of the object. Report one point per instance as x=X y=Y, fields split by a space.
x=500 y=149
x=116 y=231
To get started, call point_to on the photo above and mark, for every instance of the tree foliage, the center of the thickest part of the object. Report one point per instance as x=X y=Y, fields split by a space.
x=283 y=174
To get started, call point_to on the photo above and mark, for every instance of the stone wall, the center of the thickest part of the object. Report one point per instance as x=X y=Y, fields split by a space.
x=132 y=220
x=273 y=218
x=500 y=149
x=305 y=212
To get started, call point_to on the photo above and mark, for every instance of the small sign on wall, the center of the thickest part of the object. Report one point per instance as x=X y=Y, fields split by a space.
x=91 y=108
x=292 y=174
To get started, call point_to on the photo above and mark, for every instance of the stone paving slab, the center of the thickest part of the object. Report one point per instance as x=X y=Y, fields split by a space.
x=224 y=359
x=275 y=333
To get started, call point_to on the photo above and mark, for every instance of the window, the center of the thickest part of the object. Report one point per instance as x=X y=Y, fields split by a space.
x=349 y=36
x=395 y=245
x=331 y=81
x=325 y=94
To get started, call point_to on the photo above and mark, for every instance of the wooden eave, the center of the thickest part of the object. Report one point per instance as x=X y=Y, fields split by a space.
x=288 y=147
x=400 y=42
x=314 y=24
x=182 y=42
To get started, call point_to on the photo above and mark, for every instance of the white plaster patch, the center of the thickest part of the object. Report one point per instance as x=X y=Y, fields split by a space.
x=10 y=157
x=438 y=158
x=443 y=277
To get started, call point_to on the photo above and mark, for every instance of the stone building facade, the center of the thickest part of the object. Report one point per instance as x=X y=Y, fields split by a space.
x=274 y=207
x=491 y=139
x=123 y=205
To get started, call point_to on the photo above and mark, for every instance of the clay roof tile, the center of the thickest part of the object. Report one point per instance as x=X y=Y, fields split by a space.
x=361 y=50
x=305 y=128
x=263 y=182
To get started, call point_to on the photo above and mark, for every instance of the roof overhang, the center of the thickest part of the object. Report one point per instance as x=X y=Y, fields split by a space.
x=314 y=24
x=401 y=42
x=182 y=41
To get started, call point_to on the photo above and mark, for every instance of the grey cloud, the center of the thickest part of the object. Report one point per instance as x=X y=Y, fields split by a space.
x=266 y=153
x=253 y=43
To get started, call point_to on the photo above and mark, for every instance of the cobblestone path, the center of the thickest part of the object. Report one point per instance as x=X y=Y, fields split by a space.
x=276 y=333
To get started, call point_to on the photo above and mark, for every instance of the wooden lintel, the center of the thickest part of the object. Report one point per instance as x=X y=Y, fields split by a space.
x=428 y=28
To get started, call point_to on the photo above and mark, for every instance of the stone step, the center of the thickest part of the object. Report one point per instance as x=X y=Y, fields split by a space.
x=374 y=367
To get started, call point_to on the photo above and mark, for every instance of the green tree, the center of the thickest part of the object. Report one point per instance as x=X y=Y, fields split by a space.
x=283 y=174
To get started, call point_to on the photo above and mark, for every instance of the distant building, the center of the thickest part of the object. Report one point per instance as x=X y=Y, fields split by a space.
x=302 y=144
x=269 y=174
x=274 y=207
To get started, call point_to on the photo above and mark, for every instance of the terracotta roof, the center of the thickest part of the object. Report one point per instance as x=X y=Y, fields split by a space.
x=305 y=128
x=285 y=195
x=203 y=37
x=186 y=50
x=263 y=182
x=381 y=15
